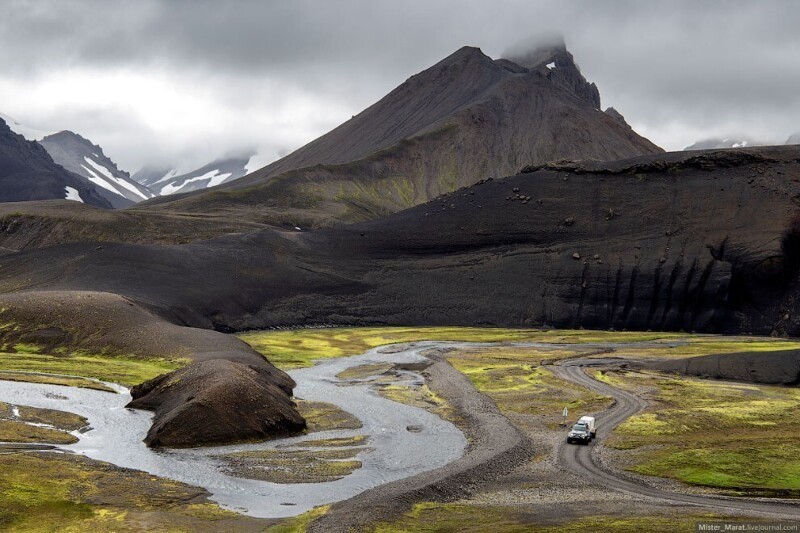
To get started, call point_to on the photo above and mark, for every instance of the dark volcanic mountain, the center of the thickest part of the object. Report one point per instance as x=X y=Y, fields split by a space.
x=80 y=156
x=465 y=118
x=165 y=181
x=705 y=241
x=27 y=172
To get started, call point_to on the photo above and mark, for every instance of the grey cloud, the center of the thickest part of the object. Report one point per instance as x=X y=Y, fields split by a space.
x=675 y=69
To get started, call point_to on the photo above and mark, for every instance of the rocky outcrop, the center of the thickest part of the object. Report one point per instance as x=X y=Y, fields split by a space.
x=559 y=66
x=217 y=401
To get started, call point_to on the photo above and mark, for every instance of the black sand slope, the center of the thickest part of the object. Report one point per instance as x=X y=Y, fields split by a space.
x=699 y=242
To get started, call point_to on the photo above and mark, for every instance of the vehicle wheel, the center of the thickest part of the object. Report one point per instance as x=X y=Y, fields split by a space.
x=569 y=440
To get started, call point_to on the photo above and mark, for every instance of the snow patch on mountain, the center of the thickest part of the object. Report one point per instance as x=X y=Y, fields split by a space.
x=214 y=178
x=72 y=194
x=79 y=156
x=121 y=182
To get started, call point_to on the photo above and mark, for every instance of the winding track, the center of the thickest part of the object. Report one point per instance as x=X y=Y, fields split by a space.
x=582 y=461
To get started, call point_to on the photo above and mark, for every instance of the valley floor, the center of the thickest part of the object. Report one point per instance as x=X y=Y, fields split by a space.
x=681 y=442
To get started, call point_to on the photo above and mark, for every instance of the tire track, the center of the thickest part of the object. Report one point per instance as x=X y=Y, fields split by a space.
x=582 y=460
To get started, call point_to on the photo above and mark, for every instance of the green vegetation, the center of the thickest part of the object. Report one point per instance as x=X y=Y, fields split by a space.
x=357 y=440
x=293 y=466
x=58 y=419
x=517 y=383
x=321 y=416
x=124 y=370
x=422 y=397
x=299 y=524
x=300 y=348
x=17 y=431
x=735 y=437
x=15 y=427
x=451 y=517
x=362 y=372
x=448 y=517
x=698 y=345
x=54 y=380
x=57 y=492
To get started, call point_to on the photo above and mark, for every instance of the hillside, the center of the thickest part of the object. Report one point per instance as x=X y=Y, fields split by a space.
x=27 y=172
x=700 y=241
x=461 y=120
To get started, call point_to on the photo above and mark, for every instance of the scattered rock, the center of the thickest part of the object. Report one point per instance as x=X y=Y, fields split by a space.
x=576 y=256
x=569 y=221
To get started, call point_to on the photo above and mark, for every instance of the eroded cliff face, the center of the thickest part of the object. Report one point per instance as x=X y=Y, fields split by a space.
x=698 y=242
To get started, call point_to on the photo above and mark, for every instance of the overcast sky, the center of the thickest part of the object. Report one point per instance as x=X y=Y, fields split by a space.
x=183 y=82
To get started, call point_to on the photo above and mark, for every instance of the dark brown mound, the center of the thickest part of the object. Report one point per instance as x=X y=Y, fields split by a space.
x=782 y=368
x=216 y=401
x=194 y=405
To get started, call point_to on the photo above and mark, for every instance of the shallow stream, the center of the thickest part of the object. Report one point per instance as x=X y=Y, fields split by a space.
x=393 y=451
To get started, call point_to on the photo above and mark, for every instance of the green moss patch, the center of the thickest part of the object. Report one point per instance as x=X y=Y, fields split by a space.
x=299 y=348
x=420 y=396
x=517 y=383
x=17 y=431
x=321 y=416
x=337 y=442
x=433 y=517
x=54 y=380
x=58 y=492
x=293 y=466
x=123 y=370
x=730 y=436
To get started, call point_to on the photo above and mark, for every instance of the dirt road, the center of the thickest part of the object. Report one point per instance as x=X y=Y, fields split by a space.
x=582 y=460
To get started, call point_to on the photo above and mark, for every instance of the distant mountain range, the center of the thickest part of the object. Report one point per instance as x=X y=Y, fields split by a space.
x=736 y=142
x=80 y=156
x=166 y=181
x=27 y=172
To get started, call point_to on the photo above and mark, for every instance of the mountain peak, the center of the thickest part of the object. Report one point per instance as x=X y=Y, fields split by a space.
x=549 y=54
x=71 y=136
x=466 y=55
x=539 y=51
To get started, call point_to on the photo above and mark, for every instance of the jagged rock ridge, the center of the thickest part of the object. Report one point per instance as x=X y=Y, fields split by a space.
x=27 y=172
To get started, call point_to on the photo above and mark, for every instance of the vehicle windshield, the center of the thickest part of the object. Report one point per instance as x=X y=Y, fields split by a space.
x=579 y=427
